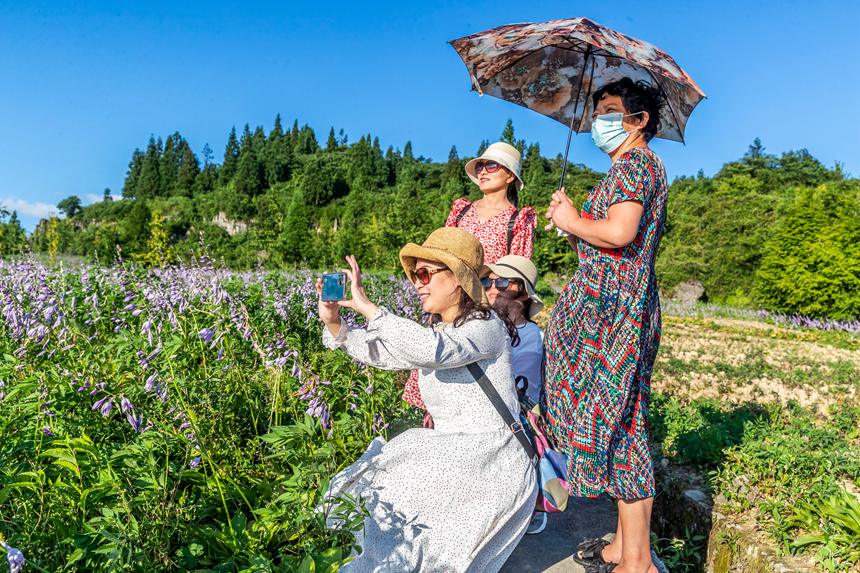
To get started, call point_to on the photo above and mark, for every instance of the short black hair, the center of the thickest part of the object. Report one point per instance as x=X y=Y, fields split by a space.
x=637 y=97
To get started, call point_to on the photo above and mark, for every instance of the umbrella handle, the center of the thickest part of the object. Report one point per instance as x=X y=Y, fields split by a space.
x=559 y=232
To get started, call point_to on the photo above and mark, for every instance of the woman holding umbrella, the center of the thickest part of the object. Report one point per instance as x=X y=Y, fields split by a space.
x=604 y=331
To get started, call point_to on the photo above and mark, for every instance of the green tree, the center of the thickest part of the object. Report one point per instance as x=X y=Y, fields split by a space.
x=188 y=171
x=106 y=196
x=132 y=176
x=149 y=183
x=70 y=206
x=158 y=253
x=231 y=157
x=297 y=229
x=135 y=228
x=250 y=177
x=307 y=141
x=168 y=167
x=331 y=143
x=811 y=261
x=53 y=236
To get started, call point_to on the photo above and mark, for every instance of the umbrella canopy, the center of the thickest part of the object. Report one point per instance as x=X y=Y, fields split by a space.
x=554 y=67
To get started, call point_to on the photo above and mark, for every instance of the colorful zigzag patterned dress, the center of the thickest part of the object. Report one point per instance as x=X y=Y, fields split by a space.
x=602 y=340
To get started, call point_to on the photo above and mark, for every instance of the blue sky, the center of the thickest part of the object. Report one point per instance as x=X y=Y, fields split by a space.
x=84 y=83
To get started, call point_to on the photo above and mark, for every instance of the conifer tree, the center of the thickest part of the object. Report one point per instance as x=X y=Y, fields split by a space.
x=250 y=176
x=132 y=176
x=277 y=129
x=149 y=184
x=189 y=169
x=168 y=167
x=106 y=196
x=296 y=234
x=231 y=158
x=307 y=141
x=331 y=143
x=135 y=228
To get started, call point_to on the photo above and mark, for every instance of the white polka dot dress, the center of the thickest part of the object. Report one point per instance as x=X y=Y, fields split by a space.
x=455 y=498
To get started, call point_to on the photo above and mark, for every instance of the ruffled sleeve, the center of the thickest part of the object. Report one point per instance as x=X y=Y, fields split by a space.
x=456 y=208
x=633 y=178
x=392 y=342
x=524 y=233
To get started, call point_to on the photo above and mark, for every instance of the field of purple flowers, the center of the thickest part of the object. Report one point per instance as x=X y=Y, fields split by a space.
x=179 y=418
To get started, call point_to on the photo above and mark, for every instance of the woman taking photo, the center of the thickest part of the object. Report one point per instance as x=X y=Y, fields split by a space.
x=603 y=334
x=495 y=219
x=459 y=497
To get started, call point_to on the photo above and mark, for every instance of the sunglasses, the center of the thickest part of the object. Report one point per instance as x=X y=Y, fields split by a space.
x=501 y=283
x=423 y=275
x=490 y=166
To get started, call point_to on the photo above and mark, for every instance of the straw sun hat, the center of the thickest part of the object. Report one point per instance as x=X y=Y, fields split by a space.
x=456 y=249
x=502 y=153
x=517 y=267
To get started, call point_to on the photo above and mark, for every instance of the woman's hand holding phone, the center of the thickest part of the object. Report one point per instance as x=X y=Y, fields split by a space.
x=329 y=310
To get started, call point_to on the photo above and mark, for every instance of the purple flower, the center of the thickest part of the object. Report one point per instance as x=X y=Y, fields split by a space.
x=107 y=407
x=134 y=421
x=194 y=463
x=14 y=557
x=125 y=405
x=150 y=382
x=206 y=335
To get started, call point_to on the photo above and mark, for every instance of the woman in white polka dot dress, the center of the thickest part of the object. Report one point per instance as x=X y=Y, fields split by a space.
x=458 y=497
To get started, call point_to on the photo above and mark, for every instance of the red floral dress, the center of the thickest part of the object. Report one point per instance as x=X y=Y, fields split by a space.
x=493 y=233
x=493 y=236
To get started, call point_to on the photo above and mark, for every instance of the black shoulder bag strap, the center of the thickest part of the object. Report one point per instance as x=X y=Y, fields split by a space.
x=511 y=222
x=462 y=213
x=499 y=404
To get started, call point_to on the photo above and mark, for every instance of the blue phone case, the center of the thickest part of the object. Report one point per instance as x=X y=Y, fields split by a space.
x=333 y=287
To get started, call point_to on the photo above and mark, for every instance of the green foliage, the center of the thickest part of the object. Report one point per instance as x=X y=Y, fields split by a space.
x=70 y=206
x=158 y=252
x=743 y=232
x=811 y=264
x=185 y=419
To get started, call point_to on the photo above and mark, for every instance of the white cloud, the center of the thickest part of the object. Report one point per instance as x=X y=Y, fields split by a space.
x=24 y=207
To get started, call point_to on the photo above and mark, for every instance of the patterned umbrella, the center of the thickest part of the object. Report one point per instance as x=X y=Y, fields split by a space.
x=554 y=67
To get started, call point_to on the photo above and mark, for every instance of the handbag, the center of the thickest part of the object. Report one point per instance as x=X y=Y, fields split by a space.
x=549 y=464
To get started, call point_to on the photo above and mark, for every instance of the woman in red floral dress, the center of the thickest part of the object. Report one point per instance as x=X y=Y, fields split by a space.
x=496 y=220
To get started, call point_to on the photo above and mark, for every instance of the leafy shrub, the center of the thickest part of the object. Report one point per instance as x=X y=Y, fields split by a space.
x=180 y=418
x=811 y=262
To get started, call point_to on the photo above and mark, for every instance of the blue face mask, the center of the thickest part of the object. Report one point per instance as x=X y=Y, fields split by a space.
x=607 y=131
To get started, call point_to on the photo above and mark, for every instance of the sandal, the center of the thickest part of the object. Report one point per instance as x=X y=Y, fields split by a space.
x=600 y=567
x=590 y=551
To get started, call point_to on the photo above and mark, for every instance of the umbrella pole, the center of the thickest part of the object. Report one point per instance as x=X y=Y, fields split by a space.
x=573 y=115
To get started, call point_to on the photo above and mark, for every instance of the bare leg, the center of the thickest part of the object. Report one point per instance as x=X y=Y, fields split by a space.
x=612 y=552
x=634 y=518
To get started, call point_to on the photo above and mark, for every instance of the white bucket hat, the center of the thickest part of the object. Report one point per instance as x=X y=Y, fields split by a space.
x=517 y=267
x=502 y=153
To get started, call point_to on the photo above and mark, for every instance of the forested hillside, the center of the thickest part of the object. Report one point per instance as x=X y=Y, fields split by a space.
x=778 y=232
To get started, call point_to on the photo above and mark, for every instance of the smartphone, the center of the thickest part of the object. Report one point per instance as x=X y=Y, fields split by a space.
x=333 y=287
